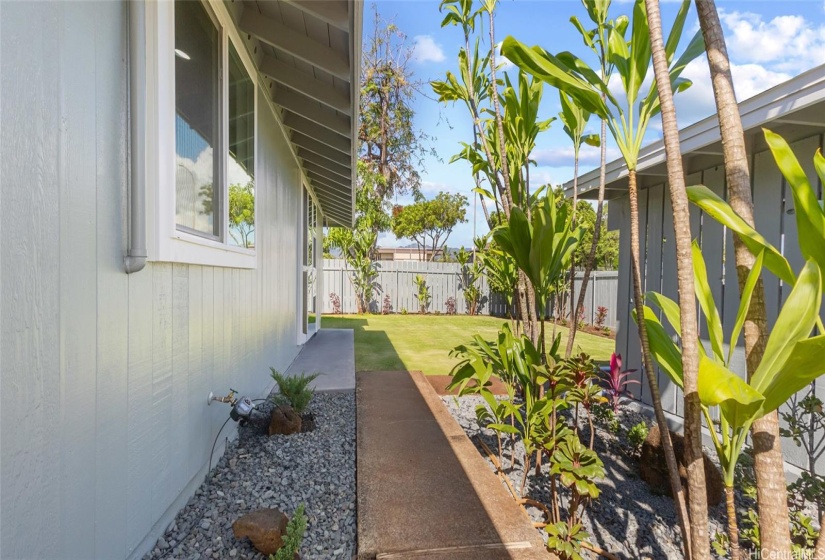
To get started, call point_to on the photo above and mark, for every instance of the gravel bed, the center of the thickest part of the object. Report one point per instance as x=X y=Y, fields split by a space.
x=257 y=471
x=627 y=519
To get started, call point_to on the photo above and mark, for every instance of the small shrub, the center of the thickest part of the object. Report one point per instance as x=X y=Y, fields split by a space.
x=603 y=415
x=403 y=310
x=335 y=302
x=450 y=303
x=294 y=389
x=295 y=530
x=386 y=308
x=601 y=316
x=423 y=293
x=637 y=435
x=437 y=312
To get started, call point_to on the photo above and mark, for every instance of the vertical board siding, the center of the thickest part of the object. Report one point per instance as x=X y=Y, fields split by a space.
x=105 y=375
x=397 y=279
x=30 y=300
x=775 y=220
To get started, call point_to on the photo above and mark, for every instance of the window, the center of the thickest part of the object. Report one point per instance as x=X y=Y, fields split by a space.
x=197 y=120
x=205 y=89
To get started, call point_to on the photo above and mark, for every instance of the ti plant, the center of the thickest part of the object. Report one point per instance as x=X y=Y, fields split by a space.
x=364 y=274
x=577 y=468
x=792 y=357
x=469 y=275
x=616 y=380
x=422 y=293
x=542 y=247
x=584 y=391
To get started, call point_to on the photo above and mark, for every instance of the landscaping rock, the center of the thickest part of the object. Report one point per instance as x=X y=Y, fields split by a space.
x=284 y=421
x=257 y=471
x=653 y=467
x=307 y=422
x=264 y=528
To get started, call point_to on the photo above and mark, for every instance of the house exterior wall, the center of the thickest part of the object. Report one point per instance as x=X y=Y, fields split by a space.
x=772 y=202
x=104 y=425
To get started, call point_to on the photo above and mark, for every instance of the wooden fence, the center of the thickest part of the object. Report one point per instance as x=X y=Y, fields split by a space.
x=396 y=278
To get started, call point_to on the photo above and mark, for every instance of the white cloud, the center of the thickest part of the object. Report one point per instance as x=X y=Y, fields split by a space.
x=426 y=49
x=748 y=80
x=564 y=157
x=788 y=43
x=502 y=61
x=465 y=186
x=539 y=177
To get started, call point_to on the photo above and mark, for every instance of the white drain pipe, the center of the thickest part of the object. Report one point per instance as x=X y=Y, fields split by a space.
x=136 y=255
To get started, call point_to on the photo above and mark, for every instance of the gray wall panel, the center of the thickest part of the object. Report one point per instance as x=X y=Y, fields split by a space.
x=105 y=375
x=396 y=278
x=772 y=220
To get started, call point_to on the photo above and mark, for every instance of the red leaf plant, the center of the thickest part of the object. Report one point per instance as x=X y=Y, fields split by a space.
x=616 y=380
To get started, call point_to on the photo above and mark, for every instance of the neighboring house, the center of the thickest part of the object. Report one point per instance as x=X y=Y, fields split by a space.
x=796 y=110
x=125 y=300
x=407 y=254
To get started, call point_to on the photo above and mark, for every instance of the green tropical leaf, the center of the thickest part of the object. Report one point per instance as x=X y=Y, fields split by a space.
x=795 y=322
x=705 y=297
x=664 y=350
x=640 y=51
x=549 y=69
x=810 y=219
x=819 y=165
x=804 y=364
x=745 y=301
x=718 y=386
x=669 y=307
x=719 y=210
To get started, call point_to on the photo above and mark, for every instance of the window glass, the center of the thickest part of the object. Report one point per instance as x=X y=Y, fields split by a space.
x=197 y=120
x=241 y=162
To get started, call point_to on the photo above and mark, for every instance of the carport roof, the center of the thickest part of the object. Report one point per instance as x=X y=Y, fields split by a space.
x=795 y=109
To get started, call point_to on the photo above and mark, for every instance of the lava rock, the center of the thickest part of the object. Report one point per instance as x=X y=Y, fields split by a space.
x=307 y=422
x=264 y=528
x=653 y=467
x=284 y=421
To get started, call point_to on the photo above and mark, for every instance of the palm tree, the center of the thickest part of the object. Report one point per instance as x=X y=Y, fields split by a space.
x=474 y=87
x=698 y=505
x=768 y=461
x=574 y=119
x=628 y=124
x=596 y=39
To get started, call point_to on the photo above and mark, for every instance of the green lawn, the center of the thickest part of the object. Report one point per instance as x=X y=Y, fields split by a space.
x=423 y=342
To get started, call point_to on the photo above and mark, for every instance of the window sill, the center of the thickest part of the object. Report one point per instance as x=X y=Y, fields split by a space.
x=192 y=249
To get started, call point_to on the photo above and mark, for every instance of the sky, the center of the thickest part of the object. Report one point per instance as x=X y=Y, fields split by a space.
x=769 y=42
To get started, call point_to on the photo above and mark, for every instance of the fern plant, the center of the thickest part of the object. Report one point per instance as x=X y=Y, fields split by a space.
x=295 y=530
x=294 y=390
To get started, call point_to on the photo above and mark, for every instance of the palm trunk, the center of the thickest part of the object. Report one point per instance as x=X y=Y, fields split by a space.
x=819 y=551
x=733 y=527
x=686 y=522
x=769 y=466
x=698 y=504
x=571 y=336
x=591 y=257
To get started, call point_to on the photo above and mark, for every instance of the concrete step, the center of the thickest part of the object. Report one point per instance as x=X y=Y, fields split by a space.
x=424 y=491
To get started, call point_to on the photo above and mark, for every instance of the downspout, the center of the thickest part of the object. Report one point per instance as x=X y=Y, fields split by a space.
x=135 y=258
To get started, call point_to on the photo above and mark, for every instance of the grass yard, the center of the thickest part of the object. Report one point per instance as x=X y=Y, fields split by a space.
x=423 y=342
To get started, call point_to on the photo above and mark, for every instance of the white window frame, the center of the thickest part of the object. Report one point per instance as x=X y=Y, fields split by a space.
x=166 y=243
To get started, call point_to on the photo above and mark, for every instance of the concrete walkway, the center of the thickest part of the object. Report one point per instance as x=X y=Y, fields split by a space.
x=330 y=352
x=423 y=489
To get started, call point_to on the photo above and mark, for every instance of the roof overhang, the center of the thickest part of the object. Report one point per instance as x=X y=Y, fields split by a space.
x=795 y=109
x=308 y=56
